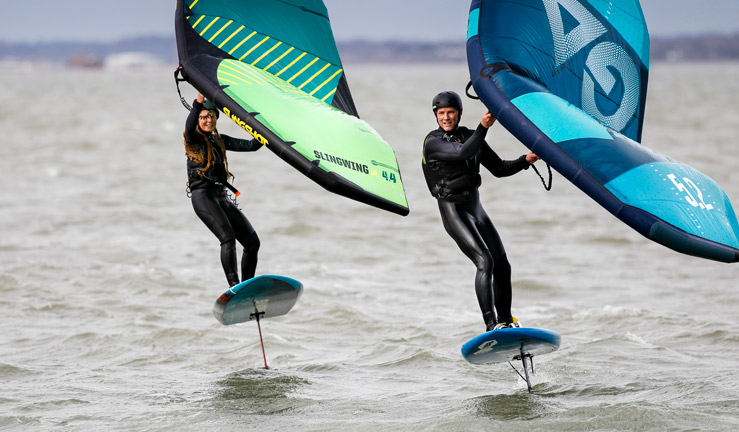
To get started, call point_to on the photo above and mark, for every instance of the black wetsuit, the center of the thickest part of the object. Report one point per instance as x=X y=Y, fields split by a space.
x=213 y=206
x=451 y=165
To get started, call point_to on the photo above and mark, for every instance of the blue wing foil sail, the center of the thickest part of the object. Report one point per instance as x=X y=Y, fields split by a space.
x=568 y=78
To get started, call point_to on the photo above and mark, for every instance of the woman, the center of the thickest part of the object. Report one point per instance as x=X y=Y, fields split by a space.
x=208 y=175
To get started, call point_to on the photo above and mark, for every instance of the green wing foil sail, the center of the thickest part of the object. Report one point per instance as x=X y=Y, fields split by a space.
x=272 y=67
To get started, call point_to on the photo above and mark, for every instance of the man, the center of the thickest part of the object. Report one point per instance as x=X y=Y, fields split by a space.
x=452 y=155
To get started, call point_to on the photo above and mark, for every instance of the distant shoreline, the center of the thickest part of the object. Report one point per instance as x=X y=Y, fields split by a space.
x=162 y=49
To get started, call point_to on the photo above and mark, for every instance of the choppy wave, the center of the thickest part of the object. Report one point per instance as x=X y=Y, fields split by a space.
x=108 y=280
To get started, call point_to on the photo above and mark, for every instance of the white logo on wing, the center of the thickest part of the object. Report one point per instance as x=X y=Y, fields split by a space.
x=607 y=62
x=696 y=201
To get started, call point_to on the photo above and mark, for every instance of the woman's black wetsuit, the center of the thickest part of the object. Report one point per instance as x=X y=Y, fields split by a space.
x=212 y=205
x=451 y=165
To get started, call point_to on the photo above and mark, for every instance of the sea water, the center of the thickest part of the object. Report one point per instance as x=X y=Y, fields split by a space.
x=107 y=277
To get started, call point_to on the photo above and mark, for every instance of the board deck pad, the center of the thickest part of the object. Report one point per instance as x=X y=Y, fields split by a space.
x=508 y=344
x=268 y=295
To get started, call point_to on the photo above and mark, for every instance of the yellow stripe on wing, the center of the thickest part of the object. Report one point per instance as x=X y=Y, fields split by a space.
x=303 y=70
x=211 y=23
x=198 y=22
x=314 y=76
x=290 y=65
x=327 y=81
x=227 y=81
x=239 y=77
x=219 y=31
x=279 y=58
x=229 y=38
x=254 y=47
x=331 y=93
x=242 y=42
x=244 y=71
x=266 y=53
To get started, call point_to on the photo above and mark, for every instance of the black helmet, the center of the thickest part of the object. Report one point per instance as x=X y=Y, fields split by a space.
x=210 y=106
x=447 y=99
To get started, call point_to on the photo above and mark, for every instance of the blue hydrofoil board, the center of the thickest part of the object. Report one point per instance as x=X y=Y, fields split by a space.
x=509 y=344
x=505 y=345
x=260 y=297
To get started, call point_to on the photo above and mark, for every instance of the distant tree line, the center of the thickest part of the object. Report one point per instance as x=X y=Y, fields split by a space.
x=161 y=47
x=682 y=49
x=700 y=48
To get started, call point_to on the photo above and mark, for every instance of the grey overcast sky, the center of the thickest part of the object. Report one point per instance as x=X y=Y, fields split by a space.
x=410 y=20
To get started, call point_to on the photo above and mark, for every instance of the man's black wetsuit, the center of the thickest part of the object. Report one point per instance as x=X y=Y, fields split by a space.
x=212 y=205
x=451 y=165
